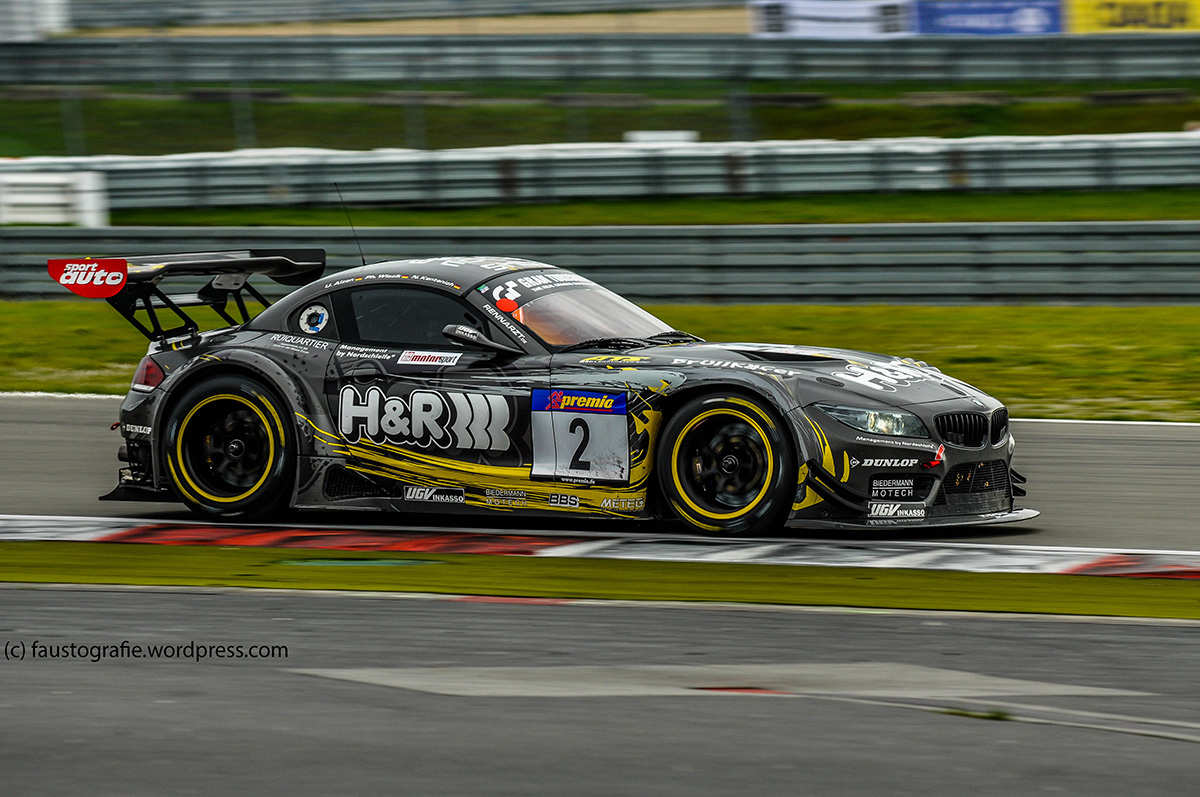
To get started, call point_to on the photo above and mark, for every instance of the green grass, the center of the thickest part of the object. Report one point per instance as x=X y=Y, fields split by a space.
x=1124 y=363
x=512 y=576
x=153 y=126
x=859 y=208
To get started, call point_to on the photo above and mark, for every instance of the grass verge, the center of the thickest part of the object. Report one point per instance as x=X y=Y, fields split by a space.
x=1115 y=363
x=860 y=208
x=159 y=126
x=515 y=576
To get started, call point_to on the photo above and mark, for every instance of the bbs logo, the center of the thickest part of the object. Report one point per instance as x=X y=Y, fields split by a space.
x=564 y=501
x=427 y=419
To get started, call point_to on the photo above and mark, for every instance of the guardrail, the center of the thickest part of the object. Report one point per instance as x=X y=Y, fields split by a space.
x=1085 y=263
x=585 y=171
x=413 y=59
x=53 y=198
x=122 y=13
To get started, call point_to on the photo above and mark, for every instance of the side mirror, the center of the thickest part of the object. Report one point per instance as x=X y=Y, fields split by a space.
x=472 y=338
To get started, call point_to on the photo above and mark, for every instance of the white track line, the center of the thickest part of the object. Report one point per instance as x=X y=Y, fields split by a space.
x=42 y=394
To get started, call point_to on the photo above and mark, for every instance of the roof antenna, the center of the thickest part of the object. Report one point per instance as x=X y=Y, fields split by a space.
x=352 y=230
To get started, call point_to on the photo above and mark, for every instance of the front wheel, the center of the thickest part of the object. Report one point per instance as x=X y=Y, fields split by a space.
x=726 y=465
x=229 y=452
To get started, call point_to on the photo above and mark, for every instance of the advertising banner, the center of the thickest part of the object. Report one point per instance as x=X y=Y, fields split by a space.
x=988 y=17
x=1133 y=16
x=831 y=19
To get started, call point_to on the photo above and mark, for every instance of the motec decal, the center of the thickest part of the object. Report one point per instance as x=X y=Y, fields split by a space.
x=92 y=279
x=427 y=419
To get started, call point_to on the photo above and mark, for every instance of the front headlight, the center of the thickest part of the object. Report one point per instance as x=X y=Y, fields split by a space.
x=895 y=423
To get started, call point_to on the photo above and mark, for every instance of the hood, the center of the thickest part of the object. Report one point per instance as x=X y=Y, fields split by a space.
x=823 y=373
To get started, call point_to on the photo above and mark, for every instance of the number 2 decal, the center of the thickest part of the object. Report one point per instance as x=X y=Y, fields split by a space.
x=577 y=462
x=580 y=436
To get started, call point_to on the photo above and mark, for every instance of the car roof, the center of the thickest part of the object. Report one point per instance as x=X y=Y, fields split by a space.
x=454 y=274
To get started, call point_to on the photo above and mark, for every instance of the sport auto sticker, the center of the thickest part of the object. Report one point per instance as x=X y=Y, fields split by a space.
x=580 y=436
x=428 y=418
x=92 y=279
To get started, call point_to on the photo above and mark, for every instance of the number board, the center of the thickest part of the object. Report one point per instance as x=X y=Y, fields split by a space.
x=580 y=435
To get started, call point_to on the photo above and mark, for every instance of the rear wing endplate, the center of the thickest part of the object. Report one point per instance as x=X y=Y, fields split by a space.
x=229 y=274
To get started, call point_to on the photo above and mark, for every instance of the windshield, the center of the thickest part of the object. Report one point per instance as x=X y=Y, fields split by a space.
x=566 y=317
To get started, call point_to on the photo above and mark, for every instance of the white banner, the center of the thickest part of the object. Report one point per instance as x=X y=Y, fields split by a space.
x=831 y=19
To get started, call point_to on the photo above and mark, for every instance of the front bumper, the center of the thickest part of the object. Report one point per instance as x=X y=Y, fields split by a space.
x=950 y=521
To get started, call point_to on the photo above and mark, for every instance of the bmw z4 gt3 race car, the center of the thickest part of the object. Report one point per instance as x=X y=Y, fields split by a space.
x=497 y=385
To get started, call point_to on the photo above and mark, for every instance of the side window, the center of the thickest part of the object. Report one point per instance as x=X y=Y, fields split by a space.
x=396 y=316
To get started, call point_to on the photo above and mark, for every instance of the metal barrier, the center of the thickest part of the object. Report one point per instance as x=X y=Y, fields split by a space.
x=585 y=171
x=53 y=198
x=1085 y=263
x=413 y=59
x=122 y=13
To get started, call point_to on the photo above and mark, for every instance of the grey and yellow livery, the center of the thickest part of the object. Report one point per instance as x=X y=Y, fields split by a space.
x=498 y=385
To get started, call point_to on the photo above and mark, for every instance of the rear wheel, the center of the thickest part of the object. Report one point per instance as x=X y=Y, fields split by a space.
x=726 y=465
x=230 y=453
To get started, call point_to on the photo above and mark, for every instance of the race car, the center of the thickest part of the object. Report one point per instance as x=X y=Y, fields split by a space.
x=488 y=385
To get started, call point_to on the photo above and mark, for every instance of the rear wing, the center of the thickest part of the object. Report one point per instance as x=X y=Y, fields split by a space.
x=228 y=273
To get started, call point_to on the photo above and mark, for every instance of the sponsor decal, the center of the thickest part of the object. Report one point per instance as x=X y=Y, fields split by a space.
x=889 y=463
x=427 y=419
x=423 y=278
x=435 y=495
x=489 y=263
x=894 y=511
x=297 y=343
x=885 y=378
x=892 y=488
x=579 y=401
x=625 y=504
x=937 y=458
x=563 y=501
x=504 y=321
x=760 y=368
x=577 y=480
x=1132 y=16
x=494 y=497
x=540 y=283
x=428 y=358
x=905 y=443
x=92 y=279
x=133 y=428
x=314 y=318
x=613 y=358
x=362 y=352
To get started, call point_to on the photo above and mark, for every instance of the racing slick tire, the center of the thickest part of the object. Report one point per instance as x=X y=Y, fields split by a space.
x=230 y=454
x=726 y=465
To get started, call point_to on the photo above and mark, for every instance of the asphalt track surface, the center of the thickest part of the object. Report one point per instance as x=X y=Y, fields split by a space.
x=1102 y=485
x=400 y=695
x=419 y=697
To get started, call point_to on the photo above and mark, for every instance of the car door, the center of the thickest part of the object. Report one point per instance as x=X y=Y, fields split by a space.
x=447 y=423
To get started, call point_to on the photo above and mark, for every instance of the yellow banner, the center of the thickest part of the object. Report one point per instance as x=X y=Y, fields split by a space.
x=1133 y=16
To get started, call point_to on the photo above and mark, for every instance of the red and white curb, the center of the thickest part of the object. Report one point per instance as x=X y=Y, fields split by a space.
x=961 y=557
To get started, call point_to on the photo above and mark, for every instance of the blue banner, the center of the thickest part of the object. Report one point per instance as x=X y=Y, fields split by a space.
x=989 y=17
